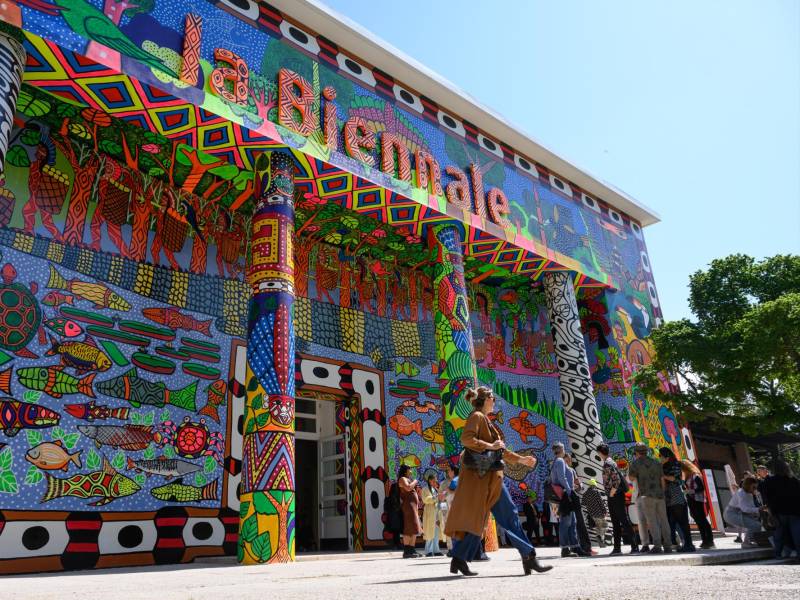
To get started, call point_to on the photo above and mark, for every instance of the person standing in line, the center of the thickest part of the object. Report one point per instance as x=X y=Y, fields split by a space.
x=677 y=508
x=431 y=516
x=448 y=492
x=653 y=521
x=596 y=508
x=781 y=494
x=584 y=543
x=616 y=487
x=696 y=497
x=743 y=512
x=393 y=508
x=562 y=476
x=482 y=491
x=410 y=504
x=531 y=517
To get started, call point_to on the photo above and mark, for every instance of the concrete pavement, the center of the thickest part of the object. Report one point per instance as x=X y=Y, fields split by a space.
x=385 y=575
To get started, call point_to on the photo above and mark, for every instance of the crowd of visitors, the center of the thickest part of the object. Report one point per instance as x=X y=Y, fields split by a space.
x=648 y=507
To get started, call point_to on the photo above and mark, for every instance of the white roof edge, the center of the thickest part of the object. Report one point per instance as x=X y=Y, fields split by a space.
x=355 y=39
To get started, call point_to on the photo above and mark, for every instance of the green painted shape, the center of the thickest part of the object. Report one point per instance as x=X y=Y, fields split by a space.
x=5 y=357
x=114 y=353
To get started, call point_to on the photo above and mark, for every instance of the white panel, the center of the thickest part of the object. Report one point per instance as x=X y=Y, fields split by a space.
x=526 y=165
x=240 y=367
x=11 y=537
x=590 y=202
x=217 y=532
x=651 y=289
x=315 y=372
x=367 y=385
x=560 y=185
x=298 y=36
x=637 y=231
x=247 y=8
x=374 y=491
x=451 y=123
x=233 y=488
x=108 y=541
x=616 y=217
x=490 y=145
x=687 y=441
x=411 y=100
x=645 y=261
x=372 y=431
x=356 y=69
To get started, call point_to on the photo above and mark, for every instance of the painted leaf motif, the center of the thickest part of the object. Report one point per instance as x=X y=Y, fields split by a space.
x=34 y=437
x=199 y=479
x=92 y=460
x=31 y=396
x=257 y=402
x=262 y=547
x=136 y=419
x=140 y=479
x=262 y=419
x=33 y=476
x=148 y=419
x=210 y=465
x=30 y=106
x=30 y=136
x=250 y=528
x=5 y=459
x=150 y=452
x=169 y=452
x=243 y=508
x=164 y=416
x=70 y=440
x=240 y=551
x=8 y=483
x=118 y=461
x=262 y=505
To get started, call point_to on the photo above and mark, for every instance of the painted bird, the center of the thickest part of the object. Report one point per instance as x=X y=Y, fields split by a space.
x=84 y=19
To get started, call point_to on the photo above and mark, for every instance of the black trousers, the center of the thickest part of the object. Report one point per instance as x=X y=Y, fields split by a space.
x=619 y=520
x=580 y=525
x=698 y=512
x=679 y=514
x=532 y=529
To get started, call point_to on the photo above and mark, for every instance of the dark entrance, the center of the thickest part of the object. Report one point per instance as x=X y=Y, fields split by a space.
x=306 y=492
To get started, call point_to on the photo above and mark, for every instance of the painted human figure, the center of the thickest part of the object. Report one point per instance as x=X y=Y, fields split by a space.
x=34 y=204
x=327 y=273
x=142 y=209
x=157 y=245
x=112 y=171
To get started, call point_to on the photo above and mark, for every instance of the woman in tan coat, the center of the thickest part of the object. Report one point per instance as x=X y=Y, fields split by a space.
x=477 y=495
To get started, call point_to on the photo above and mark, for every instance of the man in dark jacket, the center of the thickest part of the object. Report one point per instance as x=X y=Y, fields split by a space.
x=616 y=486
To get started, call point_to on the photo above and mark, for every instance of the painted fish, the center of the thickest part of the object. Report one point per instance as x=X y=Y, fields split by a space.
x=496 y=417
x=175 y=319
x=434 y=434
x=108 y=484
x=5 y=381
x=177 y=491
x=412 y=460
x=100 y=295
x=16 y=415
x=129 y=386
x=57 y=299
x=166 y=467
x=404 y=426
x=440 y=462
x=82 y=356
x=126 y=437
x=518 y=471
x=64 y=327
x=51 y=456
x=421 y=408
x=54 y=381
x=406 y=368
x=90 y=411
x=526 y=429
x=216 y=398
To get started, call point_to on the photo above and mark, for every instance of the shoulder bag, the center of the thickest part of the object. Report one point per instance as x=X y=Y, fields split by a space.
x=482 y=462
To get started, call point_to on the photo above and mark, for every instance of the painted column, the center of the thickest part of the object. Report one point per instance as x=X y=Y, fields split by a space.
x=581 y=420
x=266 y=527
x=12 y=64
x=455 y=353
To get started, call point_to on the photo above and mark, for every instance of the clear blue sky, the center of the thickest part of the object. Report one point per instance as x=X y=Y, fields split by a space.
x=691 y=107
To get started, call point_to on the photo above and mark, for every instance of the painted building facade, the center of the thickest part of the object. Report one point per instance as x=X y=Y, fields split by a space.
x=248 y=273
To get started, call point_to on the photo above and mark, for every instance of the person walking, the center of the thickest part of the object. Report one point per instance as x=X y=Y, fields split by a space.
x=531 y=517
x=431 y=516
x=481 y=490
x=563 y=478
x=409 y=500
x=616 y=487
x=449 y=490
x=742 y=511
x=781 y=494
x=696 y=497
x=596 y=508
x=677 y=507
x=653 y=521
x=393 y=508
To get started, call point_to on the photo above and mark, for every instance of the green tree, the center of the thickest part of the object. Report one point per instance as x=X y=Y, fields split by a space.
x=738 y=363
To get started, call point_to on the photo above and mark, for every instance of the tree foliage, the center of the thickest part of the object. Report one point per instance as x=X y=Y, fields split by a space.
x=738 y=363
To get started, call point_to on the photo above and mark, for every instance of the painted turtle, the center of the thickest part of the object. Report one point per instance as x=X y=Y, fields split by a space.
x=20 y=314
x=191 y=439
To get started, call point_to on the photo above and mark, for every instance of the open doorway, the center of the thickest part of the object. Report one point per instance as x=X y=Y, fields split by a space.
x=321 y=502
